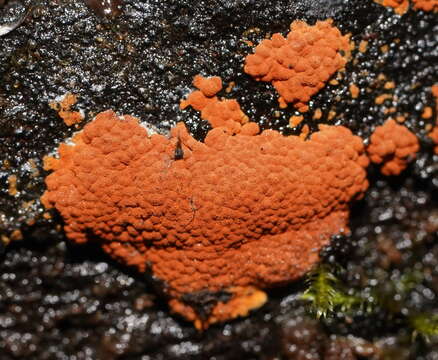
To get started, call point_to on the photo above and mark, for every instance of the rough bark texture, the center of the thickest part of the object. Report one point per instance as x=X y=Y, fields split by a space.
x=58 y=301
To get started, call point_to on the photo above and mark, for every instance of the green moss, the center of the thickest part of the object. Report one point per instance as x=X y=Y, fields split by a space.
x=424 y=324
x=327 y=295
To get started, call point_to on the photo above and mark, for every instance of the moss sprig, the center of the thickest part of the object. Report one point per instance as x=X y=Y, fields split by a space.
x=327 y=295
x=425 y=325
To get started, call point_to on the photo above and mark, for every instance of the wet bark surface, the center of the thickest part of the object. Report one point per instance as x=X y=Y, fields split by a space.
x=61 y=301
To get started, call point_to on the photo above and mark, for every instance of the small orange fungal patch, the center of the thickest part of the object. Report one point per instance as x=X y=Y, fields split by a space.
x=219 y=113
x=434 y=90
x=12 y=185
x=300 y=64
x=354 y=91
x=317 y=114
x=427 y=112
x=402 y=6
x=393 y=146
x=434 y=136
x=363 y=46
x=425 y=5
x=63 y=107
x=208 y=86
x=379 y=100
x=295 y=120
x=389 y=85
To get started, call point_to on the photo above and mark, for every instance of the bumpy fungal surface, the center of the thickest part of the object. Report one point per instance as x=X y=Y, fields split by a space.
x=233 y=215
x=218 y=112
x=63 y=107
x=425 y=5
x=300 y=64
x=393 y=146
x=402 y=6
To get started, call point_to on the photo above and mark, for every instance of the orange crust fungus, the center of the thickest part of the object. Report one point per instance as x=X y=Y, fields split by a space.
x=63 y=107
x=224 y=113
x=300 y=64
x=238 y=213
x=426 y=5
x=393 y=146
x=434 y=136
x=402 y=6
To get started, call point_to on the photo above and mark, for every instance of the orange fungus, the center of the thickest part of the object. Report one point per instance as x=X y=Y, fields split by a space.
x=393 y=146
x=399 y=6
x=434 y=136
x=233 y=215
x=300 y=64
x=402 y=6
x=425 y=5
x=225 y=113
x=63 y=107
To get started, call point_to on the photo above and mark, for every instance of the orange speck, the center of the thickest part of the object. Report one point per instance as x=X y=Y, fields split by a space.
x=400 y=6
x=382 y=98
x=304 y=132
x=363 y=46
x=434 y=136
x=63 y=108
x=318 y=114
x=12 y=185
x=384 y=49
x=230 y=87
x=434 y=90
x=400 y=119
x=16 y=235
x=331 y=115
x=427 y=112
x=6 y=164
x=390 y=110
x=389 y=85
x=381 y=77
x=295 y=120
x=354 y=91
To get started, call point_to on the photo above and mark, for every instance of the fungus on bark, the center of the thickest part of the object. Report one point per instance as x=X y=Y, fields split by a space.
x=224 y=113
x=63 y=107
x=393 y=146
x=426 y=5
x=402 y=6
x=434 y=136
x=300 y=64
x=236 y=214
